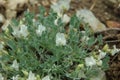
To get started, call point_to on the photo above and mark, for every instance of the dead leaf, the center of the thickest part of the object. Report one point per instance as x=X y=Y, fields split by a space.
x=113 y=24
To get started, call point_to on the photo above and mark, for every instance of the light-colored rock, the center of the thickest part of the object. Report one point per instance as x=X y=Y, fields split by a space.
x=2 y=2
x=10 y=13
x=2 y=19
x=13 y=4
x=88 y=17
x=33 y=2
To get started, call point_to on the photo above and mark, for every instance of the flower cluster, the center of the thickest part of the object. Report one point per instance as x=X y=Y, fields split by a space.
x=91 y=61
x=60 y=39
x=20 y=31
x=40 y=30
x=61 y=6
x=15 y=65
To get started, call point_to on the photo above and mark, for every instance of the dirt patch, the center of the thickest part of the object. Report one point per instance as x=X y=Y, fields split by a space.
x=99 y=8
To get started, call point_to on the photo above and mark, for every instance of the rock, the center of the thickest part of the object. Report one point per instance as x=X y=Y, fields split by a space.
x=45 y=3
x=2 y=2
x=2 y=19
x=88 y=17
x=12 y=12
x=33 y=2
x=11 y=9
x=14 y=4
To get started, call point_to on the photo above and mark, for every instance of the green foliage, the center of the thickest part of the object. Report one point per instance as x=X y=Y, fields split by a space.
x=105 y=65
x=40 y=54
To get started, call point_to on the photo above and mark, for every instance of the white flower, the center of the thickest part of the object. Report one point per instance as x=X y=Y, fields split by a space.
x=60 y=6
x=34 y=20
x=99 y=62
x=101 y=54
x=31 y=76
x=15 y=77
x=46 y=78
x=15 y=65
x=84 y=38
x=16 y=32
x=60 y=39
x=1 y=77
x=56 y=8
x=56 y=21
x=64 y=4
x=24 y=31
x=20 y=31
x=114 y=50
x=65 y=18
x=90 y=61
x=40 y=30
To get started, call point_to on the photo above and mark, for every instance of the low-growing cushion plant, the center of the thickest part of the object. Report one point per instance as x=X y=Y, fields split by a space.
x=43 y=49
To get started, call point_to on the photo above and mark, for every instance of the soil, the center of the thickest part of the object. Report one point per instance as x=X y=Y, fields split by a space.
x=104 y=12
